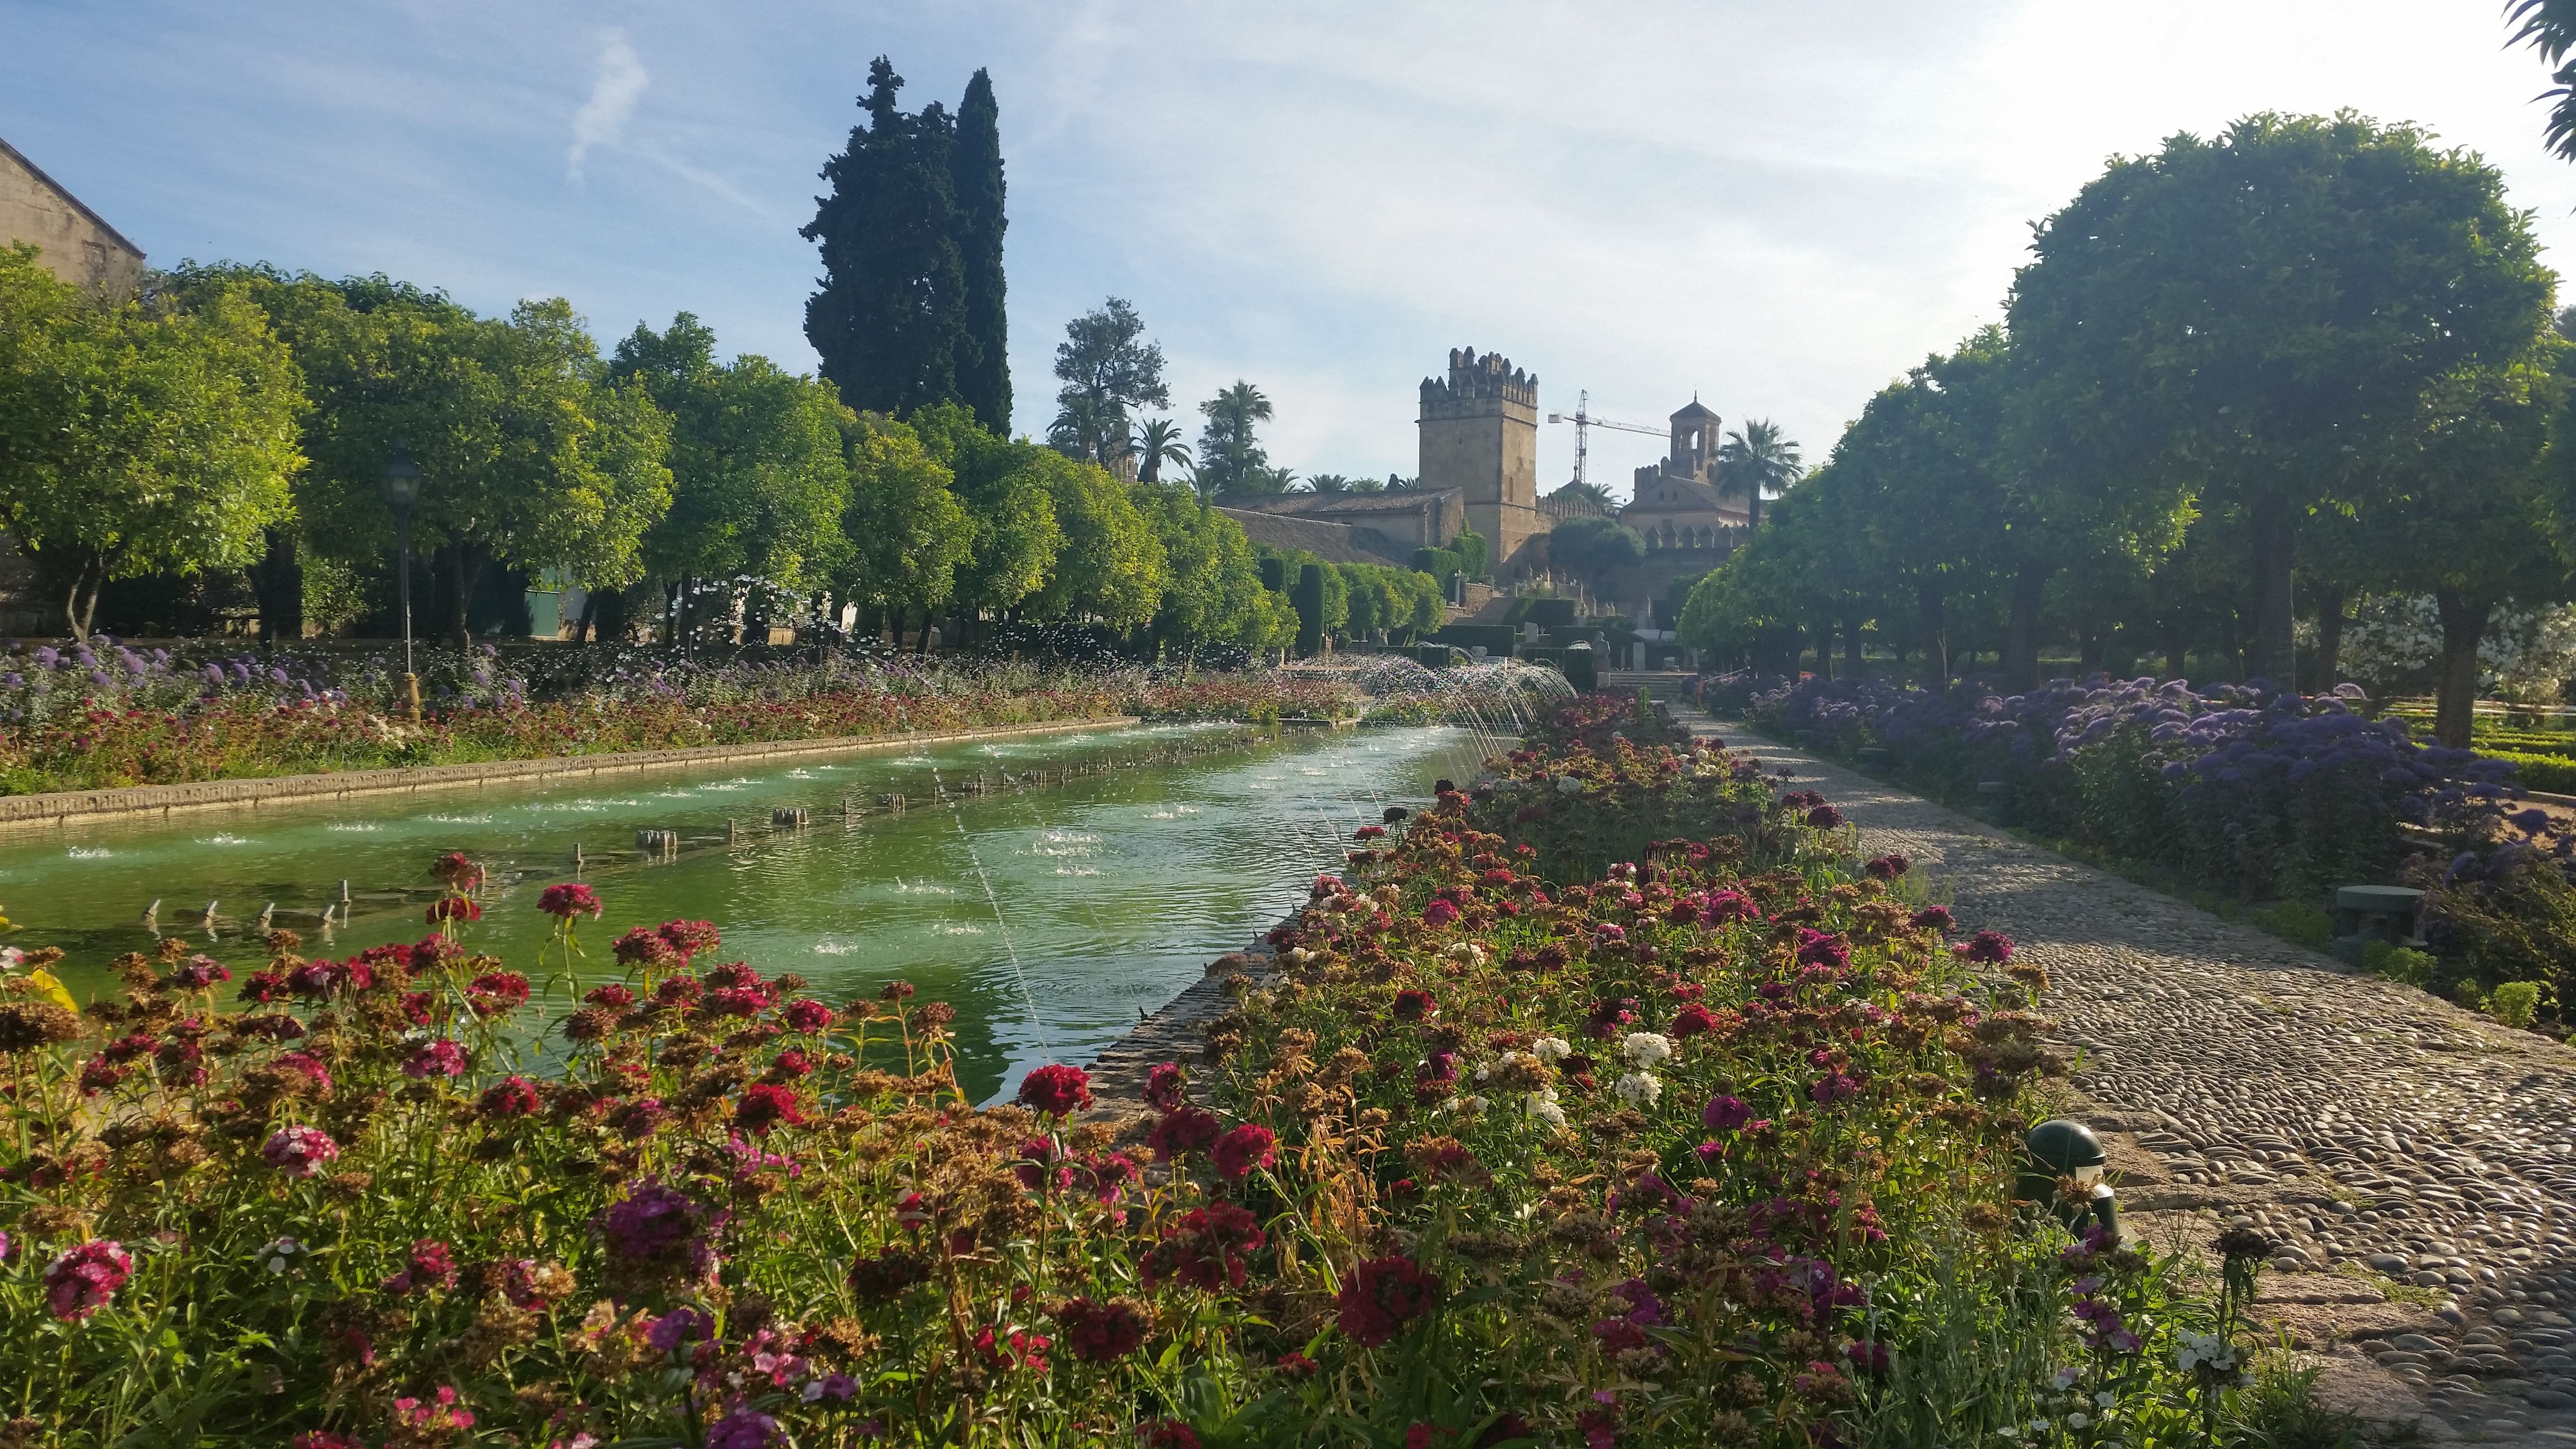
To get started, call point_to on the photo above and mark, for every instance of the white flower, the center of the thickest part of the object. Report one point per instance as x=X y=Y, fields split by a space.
x=1466 y=953
x=279 y=1253
x=1551 y=1049
x=1471 y=1106
x=1647 y=1048
x=1641 y=1089
x=1543 y=1105
x=2078 y=1420
x=2066 y=1378
x=813 y=1390
x=1569 y=785
x=2105 y=1399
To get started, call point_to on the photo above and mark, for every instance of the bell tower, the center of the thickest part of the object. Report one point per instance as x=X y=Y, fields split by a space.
x=1480 y=437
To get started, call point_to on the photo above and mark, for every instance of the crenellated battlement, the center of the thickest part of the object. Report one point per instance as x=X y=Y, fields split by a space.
x=1472 y=376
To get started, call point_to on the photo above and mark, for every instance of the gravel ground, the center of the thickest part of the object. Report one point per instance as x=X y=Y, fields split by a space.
x=2417 y=1161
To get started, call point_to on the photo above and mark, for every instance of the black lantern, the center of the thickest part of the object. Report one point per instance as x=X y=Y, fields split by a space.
x=2064 y=1148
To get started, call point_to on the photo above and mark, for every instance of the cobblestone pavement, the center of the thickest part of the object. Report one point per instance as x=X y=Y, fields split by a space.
x=2418 y=1160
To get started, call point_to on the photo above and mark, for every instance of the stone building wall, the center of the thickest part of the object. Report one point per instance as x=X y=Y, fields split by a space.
x=1480 y=437
x=78 y=244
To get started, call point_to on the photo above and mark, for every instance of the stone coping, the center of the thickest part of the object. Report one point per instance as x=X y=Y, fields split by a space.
x=20 y=813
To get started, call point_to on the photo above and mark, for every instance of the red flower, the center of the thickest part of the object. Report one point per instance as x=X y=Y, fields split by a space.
x=765 y=1105
x=1412 y=1004
x=1186 y=1130
x=85 y=1277
x=1169 y=1434
x=1241 y=1150
x=1297 y=1366
x=1164 y=1091
x=495 y=992
x=1371 y=832
x=1382 y=1295
x=440 y=1058
x=512 y=1096
x=1439 y=913
x=1056 y=1090
x=569 y=900
x=1934 y=918
x=1691 y=1020
x=1888 y=867
x=455 y=872
x=613 y=996
x=1101 y=1332
x=454 y=908
x=1206 y=1251
x=644 y=946
x=806 y=1014
x=430 y=1266
x=1988 y=947
x=688 y=938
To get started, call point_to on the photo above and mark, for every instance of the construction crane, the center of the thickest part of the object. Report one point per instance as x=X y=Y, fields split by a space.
x=1584 y=422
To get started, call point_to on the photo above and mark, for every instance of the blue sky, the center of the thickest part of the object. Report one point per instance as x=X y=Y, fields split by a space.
x=1776 y=204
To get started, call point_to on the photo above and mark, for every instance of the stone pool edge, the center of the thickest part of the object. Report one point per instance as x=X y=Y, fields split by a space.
x=59 y=809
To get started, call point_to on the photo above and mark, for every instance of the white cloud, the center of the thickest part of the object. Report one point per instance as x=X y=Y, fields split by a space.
x=601 y=121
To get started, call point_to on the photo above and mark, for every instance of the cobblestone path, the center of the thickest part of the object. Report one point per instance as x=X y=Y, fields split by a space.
x=2418 y=1160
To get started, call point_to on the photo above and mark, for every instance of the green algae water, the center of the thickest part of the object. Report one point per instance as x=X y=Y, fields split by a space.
x=1051 y=916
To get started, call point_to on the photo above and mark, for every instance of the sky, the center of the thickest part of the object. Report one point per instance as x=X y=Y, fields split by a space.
x=1776 y=206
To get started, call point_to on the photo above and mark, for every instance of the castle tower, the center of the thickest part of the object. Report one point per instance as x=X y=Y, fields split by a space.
x=1694 y=441
x=1480 y=437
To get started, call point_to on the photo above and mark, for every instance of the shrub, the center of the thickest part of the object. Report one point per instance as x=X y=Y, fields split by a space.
x=2515 y=1003
x=2402 y=964
x=2307 y=925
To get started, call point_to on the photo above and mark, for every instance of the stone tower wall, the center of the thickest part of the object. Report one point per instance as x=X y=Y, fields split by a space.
x=77 y=246
x=1480 y=436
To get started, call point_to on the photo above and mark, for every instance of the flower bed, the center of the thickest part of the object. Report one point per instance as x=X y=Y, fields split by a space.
x=1714 y=1146
x=2250 y=793
x=86 y=718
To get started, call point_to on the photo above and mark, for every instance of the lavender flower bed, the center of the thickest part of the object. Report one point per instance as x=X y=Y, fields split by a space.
x=2243 y=789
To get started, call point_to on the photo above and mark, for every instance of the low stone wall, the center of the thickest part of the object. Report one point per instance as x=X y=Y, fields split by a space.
x=70 y=807
x=1171 y=1034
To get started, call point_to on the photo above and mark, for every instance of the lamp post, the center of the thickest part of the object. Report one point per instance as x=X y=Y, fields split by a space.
x=401 y=485
x=2065 y=1148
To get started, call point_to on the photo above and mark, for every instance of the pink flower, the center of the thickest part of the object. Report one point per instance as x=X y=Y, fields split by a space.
x=1412 y=1004
x=85 y=1277
x=441 y=1411
x=440 y=1058
x=1726 y=1114
x=569 y=900
x=1056 y=1090
x=512 y=1096
x=1439 y=913
x=1238 y=1152
x=299 y=1151
x=430 y=1265
x=807 y=1015
x=1987 y=947
x=1164 y=1091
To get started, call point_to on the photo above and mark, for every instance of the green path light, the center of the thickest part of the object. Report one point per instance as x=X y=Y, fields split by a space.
x=2062 y=1147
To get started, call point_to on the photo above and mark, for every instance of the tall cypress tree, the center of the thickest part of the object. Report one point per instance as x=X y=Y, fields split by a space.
x=984 y=367
x=889 y=317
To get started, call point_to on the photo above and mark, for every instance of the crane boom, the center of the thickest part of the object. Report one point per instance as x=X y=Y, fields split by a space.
x=1584 y=422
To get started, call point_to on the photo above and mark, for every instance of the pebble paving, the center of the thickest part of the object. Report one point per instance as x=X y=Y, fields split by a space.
x=2417 y=1162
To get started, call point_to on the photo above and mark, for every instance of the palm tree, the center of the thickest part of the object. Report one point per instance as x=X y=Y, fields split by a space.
x=1328 y=483
x=1160 y=444
x=2550 y=28
x=1755 y=459
x=1088 y=428
x=1597 y=495
x=1228 y=451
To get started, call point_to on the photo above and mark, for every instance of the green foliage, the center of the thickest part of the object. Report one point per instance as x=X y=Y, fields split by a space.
x=759 y=475
x=1108 y=371
x=1110 y=568
x=2515 y=1003
x=890 y=320
x=2553 y=772
x=975 y=170
x=2466 y=992
x=2402 y=964
x=1212 y=590
x=2308 y=925
x=1230 y=458
x=910 y=533
x=1592 y=548
x=1471 y=548
x=140 y=436
x=1756 y=461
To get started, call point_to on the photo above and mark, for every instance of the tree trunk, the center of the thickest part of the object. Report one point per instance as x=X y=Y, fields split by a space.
x=2275 y=526
x=2094 y=641
x=2177 y=652
x=2464 y=623
x=1936 y=641
x=2330 y=622
x=1852 y=655
x=82 y=606
x=281 y=589
x=583 y=631
x=461 y=603
x=2021 y=641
